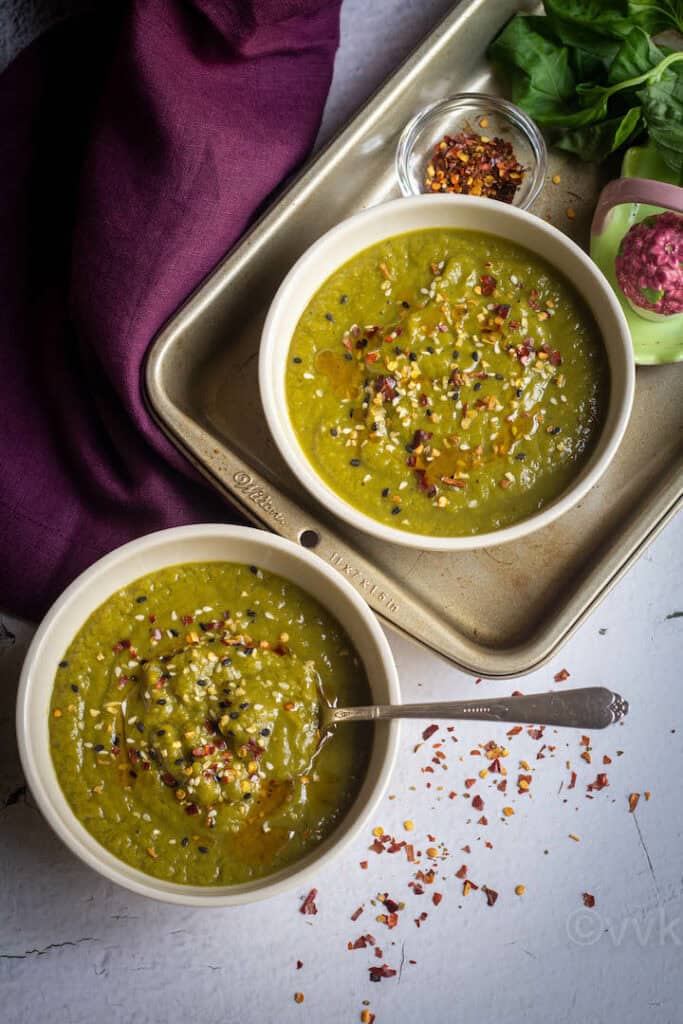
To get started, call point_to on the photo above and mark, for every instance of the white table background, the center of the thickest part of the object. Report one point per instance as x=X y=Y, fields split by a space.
x=74 y=948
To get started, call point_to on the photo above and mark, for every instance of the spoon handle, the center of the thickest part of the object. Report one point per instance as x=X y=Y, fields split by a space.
x=593 y=707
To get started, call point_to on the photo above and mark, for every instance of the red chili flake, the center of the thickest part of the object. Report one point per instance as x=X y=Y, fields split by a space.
x=191 y=809
x=514 y=730
x=356 y=914
x=488 y=284
x=633 y=801
x=410 y=853
x=606 y=759
x=502 y=786
x=483 y=820
x=561 y=676
x=429 y=731
x=525 y=351
x=532 y=301
x=491 y=895
x=391 y=905
x=466 y=849
x=502 y=310
x=588 y=899
x=436 y=898
x=477 y=803
x=187 y=620
x=536 y=734
x=473 y=164
x=152 y=618
x=299 y=964
x=555 y=358
x=372 y=357
x=601 y=781
x=377 y=973
x=308 y=906
x=364 y=865
x=168 y=779
x=585 y=741
x=418 y=890
x=469 y=783
x=376 y=847
x=386 y=386
x=572 y=782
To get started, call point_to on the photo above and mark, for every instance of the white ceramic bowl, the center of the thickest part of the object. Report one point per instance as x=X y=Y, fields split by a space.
x=150 y=553
x=443 y=211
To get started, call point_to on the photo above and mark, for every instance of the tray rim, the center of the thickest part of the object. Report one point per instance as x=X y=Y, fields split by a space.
x=542 y=645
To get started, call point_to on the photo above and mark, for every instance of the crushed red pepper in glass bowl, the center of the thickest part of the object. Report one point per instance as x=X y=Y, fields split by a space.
x=473 y=144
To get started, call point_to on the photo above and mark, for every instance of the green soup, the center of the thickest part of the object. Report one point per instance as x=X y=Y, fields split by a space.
x=184 y=723
x=447 y=382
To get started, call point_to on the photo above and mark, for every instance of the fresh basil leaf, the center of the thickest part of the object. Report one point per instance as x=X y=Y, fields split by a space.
x=536 y=69
x=580 y=22
x=662 y=102
x=657 y=15
x=636 y=56
x=597 y=141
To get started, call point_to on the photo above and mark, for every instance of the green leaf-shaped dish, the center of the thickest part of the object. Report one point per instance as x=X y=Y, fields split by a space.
x=653 y=341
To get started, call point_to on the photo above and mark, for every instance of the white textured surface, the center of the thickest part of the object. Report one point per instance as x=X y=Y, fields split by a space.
x=75 y=949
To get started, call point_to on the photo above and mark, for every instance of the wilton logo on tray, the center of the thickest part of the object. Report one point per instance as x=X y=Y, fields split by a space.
x=256 y=493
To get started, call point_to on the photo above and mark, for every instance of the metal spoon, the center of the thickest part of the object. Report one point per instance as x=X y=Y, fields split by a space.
x=593 y=707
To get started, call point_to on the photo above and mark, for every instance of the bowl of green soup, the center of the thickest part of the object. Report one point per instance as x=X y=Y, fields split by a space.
x=446 y=373
x=168 y=715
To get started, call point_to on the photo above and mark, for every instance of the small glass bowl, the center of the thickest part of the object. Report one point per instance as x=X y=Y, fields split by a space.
x=464 y=112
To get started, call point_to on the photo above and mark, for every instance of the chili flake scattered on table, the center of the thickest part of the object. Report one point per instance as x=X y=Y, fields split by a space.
x=475 y=165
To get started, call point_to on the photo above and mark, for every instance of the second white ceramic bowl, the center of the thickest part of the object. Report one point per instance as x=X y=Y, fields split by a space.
x=442 y=211
x=149 y=554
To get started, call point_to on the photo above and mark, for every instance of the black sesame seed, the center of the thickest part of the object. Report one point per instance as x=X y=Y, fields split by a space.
x=428 y=412
x=395 y=510
x=202 y=682
x=385 y=492
x=161 y=701
x=343 y=299
x=226 y=661
x=347 y=355
x=475 y=356
x=141 y=599
x=455 y=396
x=519 y=392
x=328 y=316
x=246 y=796
x=140 y=726
x=251 y=613
x=556 y=430
x=244 y=705
x=99 y=747
x=520 y=456
x=412 y=357
x=430 y=350
x=173 y=632
x=179 y=760
x=499 y=376
x=296 y=359
x=234 y=714
x=184 y=841
x=74 y=688
x=203 y=849
x=253 y=569
x=354 y=462
x=477 y=386
x=406 y=305
x=333 y=431
x=63 y=664
x=249 y=650
x=161 y=732
x=456 y=354
x=265 y=732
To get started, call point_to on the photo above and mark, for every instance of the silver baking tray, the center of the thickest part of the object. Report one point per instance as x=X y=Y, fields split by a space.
x=497 y=612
